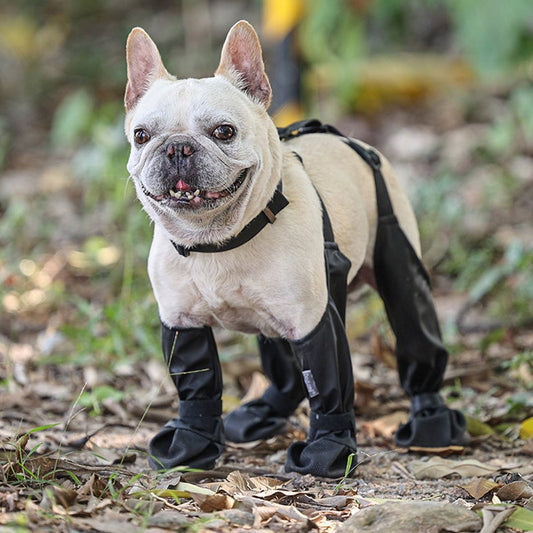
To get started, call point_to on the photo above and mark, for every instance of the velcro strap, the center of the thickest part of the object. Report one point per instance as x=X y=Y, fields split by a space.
x=333 y=422
x=425 y=401
x=194 y=408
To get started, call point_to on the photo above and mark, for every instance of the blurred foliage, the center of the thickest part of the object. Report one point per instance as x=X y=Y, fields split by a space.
x=61 y=98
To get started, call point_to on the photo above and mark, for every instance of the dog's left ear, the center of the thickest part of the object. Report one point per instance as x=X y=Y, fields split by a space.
x=241 y=62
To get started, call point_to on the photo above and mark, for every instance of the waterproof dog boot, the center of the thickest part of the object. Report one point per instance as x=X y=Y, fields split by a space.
x=196 y=437
x=267 y=416
x=327 y=371
x=404 y=286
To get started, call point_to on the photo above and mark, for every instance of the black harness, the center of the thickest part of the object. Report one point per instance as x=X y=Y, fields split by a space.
x=279 y=201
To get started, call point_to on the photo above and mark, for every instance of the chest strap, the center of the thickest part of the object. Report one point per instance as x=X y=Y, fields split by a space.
x=266 y=216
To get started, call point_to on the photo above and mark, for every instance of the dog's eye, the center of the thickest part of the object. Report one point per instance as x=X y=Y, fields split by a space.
x=141 y=136
x=224 y=132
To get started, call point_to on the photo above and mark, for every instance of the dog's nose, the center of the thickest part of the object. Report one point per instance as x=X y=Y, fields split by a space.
x=181 y=149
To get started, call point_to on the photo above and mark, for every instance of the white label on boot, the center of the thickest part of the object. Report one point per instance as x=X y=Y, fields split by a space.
x=310 y=383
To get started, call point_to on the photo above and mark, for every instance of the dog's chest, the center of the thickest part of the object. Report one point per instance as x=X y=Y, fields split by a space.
x=203 y=293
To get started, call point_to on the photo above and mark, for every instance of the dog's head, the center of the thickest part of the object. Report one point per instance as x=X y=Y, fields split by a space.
x=205 y=156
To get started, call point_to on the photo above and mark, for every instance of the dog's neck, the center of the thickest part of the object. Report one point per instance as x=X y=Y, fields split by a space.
x=265 y=217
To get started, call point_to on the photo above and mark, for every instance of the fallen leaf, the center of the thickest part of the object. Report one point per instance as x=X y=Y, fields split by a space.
x=521 y=519
x=479 y=487
x=257 y=387
x=515 y=491
x=213 y=502
x=477 y=428
x=443 y=451
x=437 y=468
x=385 y=426
x=182 y=490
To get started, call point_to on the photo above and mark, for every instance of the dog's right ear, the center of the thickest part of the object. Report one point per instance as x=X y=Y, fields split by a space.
x=144 y=66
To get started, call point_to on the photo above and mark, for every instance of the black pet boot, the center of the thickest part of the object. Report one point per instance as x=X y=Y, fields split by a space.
x=196 y=437
x=327 y=373
x=267 y=416
x=432 y=424
x=404 y=286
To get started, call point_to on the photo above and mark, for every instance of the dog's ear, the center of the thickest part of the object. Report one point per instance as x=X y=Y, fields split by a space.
x=144 y=66
x=241 y=62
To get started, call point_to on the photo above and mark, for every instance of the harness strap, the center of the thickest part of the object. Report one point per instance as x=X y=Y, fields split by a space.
x=370 y=156
x=266 y=216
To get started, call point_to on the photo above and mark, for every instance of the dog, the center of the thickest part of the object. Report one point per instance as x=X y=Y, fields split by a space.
x=207 y=163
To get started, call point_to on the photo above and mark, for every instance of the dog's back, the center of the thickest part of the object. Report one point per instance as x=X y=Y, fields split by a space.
x=345 y=183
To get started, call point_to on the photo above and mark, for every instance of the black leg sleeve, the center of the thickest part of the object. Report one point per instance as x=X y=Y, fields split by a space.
x=327 y=371
x=404 y=286
x=196 y=437
x=267 y=416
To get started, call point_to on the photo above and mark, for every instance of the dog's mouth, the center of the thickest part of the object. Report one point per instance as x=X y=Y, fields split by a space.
x=184 y=194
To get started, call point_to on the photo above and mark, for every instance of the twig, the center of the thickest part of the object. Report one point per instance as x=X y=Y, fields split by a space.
x=491 y=522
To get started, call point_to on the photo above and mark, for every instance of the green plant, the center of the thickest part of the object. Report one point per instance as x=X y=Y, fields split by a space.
x=94 y=398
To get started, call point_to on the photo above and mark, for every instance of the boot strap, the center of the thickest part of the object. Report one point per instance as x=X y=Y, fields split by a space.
x=333 y=422
x=428 y=400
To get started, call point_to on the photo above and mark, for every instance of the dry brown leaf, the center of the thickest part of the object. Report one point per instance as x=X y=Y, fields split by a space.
x=62 y=496
x=382 y=351
x=264 y=483
x=385 y=426
x=479 y=487
x=236 y=482
x=437 y=468
x=94 y=486
x=515 y=491
x=213 y=502
x=286 y=511
x=443 y=452
x=258 y=385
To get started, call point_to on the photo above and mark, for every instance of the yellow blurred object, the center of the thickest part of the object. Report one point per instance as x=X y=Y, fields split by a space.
x=526 y=429
x=280 y=17
x=17 y=36
x=379 y=81
x=287 y=114
x=23 y=39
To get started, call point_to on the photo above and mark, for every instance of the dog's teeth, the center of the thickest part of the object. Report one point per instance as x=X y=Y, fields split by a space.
x=189 y=195
x=172 y=193
x=197 y=192
x=178 y=194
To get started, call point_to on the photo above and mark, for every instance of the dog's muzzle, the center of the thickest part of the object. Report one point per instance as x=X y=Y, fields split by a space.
x=185 y=195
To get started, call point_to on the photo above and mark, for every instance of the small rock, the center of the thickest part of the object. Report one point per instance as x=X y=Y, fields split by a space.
x=168 y=519
x=238 y=517
x=412 y=517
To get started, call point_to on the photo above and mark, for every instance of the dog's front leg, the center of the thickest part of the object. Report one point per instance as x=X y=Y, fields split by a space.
x=324 y=357
x=196 y=437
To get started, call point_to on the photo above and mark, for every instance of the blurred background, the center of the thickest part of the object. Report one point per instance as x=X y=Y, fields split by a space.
x=443 y=87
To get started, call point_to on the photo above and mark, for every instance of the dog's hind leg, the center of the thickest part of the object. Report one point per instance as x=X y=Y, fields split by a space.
x=267 y=416
x=196 y=437
x=404 y=286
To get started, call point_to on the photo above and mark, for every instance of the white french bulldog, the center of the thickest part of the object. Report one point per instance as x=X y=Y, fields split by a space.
x=207 y=161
